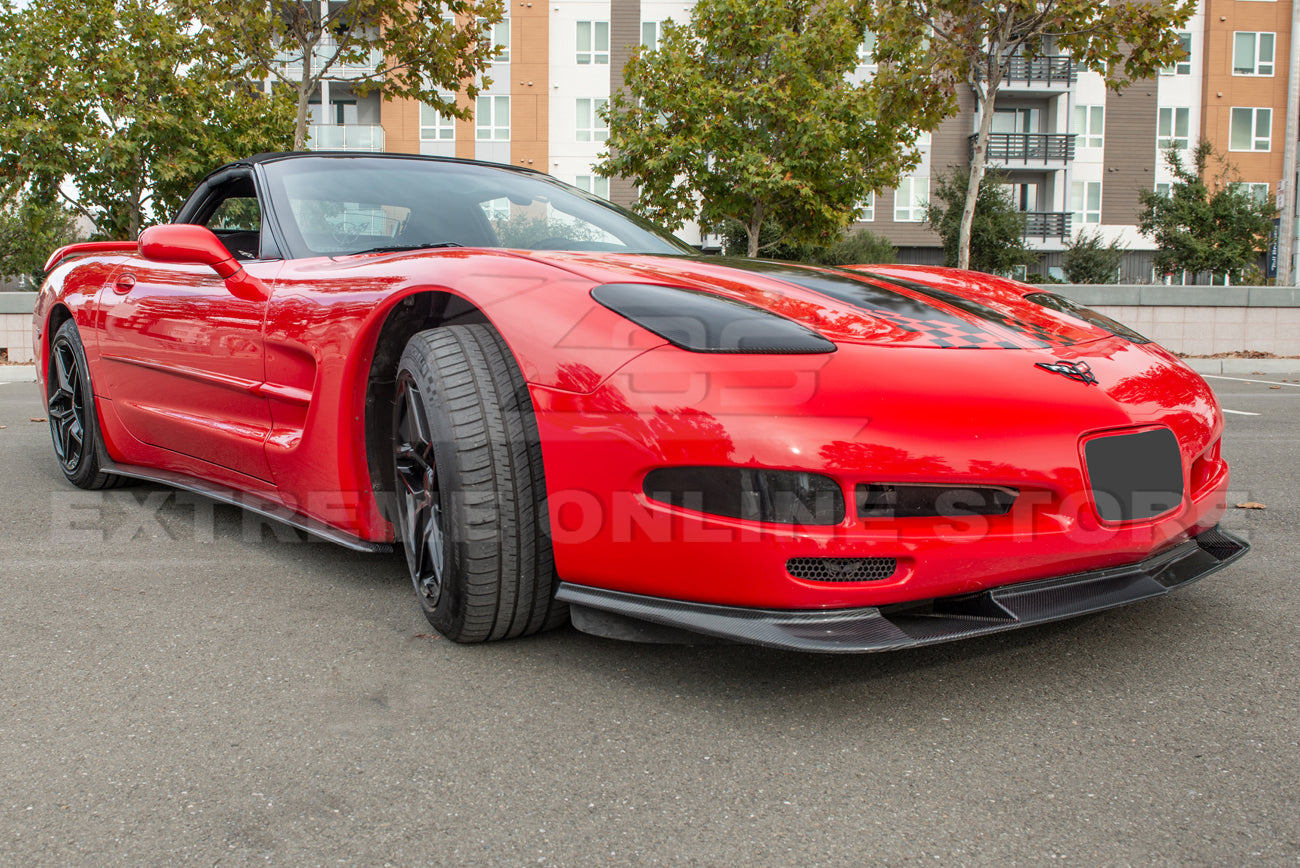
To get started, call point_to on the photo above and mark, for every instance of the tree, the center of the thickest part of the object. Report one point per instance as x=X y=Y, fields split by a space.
x=1198 y=227
x=996 y=243
x=976 y=44
x=419 y=49
x=29 y=230
x=1088 y=260
x=118 y=97
x=748 y=114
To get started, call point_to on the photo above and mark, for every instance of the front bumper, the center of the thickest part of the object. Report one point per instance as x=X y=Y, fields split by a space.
x=925 y=622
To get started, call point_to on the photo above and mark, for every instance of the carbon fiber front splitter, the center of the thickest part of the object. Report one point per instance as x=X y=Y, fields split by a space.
x=905 y=625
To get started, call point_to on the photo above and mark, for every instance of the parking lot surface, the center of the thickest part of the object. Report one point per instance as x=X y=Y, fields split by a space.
x=182 y=683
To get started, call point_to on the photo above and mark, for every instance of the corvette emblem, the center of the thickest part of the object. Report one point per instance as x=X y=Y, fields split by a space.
x=1074 y=370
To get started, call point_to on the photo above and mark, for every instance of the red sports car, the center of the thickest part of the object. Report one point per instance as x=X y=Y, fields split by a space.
x=559 y=411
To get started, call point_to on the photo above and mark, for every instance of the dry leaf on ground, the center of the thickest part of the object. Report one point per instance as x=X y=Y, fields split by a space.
x=1250 y=504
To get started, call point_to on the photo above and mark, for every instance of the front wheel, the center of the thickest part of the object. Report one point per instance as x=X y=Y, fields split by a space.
x=70 y=407
x=470 y=487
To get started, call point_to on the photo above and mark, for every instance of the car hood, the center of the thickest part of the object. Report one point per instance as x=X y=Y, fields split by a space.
x=896 y=305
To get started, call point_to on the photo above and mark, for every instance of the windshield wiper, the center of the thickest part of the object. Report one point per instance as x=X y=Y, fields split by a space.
x=394 y=248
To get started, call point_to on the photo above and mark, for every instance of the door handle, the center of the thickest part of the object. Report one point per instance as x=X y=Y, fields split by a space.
x=124 y=283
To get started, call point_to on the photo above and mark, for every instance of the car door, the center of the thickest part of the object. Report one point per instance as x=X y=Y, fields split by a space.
x=183 y=358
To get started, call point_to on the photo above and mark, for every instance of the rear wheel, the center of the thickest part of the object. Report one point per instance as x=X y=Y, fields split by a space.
x=470 y=487
x=70 y=406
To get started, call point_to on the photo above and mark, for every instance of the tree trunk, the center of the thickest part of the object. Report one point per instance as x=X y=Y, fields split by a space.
x=985 y=100
x=752 y=229
x=305 y=88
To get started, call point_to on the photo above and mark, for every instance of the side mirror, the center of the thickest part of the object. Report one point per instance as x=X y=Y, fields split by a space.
x=188 y=243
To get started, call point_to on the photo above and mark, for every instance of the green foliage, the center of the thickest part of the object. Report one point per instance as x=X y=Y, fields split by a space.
x=1201 y=227
x=860 y=248
x=771 y=243
x=747 y=114
x=30 y=229
x=120 y=98
x=929 y=50
x=997 y=238
x=426 y=50
x=1088 y=260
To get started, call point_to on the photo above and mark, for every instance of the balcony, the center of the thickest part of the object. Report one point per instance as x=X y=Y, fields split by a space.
x=1047 y=224
x=345 y=137
x=1047 y=74
x=291 y=61
x=1034 y=150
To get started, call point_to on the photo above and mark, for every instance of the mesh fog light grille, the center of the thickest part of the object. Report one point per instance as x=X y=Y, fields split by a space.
x=841 y=569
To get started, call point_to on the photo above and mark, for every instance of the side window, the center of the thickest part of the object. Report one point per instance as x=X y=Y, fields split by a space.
x=236 y=214
x=237 y=221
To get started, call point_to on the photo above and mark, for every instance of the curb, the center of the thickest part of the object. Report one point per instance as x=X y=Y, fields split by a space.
x=1243 y=367
x=17 y=373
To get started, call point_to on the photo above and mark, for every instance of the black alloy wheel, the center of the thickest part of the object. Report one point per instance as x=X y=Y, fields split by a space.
x=419 y=500
x=70 y=407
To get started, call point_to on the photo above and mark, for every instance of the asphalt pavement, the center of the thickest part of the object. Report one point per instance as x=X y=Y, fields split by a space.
x=181 y=684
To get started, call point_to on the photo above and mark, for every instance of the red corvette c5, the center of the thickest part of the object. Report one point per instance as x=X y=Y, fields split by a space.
x=558 y=410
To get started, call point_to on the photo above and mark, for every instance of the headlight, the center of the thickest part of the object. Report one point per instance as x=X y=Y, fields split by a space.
x=705 y=323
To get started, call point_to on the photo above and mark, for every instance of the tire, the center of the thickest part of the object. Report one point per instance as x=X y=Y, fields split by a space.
x=470 y=488
x=70 y=407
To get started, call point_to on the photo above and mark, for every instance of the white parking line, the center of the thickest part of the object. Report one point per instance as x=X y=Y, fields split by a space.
x=1239 y=412
x=1243 y=380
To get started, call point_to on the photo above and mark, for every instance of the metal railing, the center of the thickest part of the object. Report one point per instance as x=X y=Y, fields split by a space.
x=1047 y=224
x=1028 y=147
x=345 y=137
x=1046 y=70
x=291 y=61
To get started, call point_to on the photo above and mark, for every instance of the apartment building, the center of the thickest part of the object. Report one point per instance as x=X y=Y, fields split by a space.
x=1075 y=154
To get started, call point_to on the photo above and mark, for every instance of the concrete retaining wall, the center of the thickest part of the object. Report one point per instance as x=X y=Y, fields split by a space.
x=1202 y=320
x=16 y=324
x=1198 y=320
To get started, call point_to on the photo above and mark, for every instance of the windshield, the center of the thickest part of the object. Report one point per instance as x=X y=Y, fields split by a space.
x=335 y=206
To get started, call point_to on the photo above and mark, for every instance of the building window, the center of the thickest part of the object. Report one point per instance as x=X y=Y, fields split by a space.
x=496 y=210
x=593 y=42
x=1090 y=125
x=492 y=119
x=591 y=126
x=867 y=209
x=910 y=198
x=1164 y=189
x=435 y=126
x=1172 y=128
x=650 y=31
x=1184 y=66
x=867 y=49
x=1252 y=53
x=499 y=35
x=1258 y=193
x=1251 y=129
x=594 y=184
x=1085 y=202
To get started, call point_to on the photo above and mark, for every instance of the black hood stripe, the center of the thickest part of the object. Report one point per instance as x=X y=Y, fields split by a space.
x=1038 y=336
x=943 y=327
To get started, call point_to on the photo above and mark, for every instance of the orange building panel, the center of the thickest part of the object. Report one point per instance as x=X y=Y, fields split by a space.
x=1223 y=90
